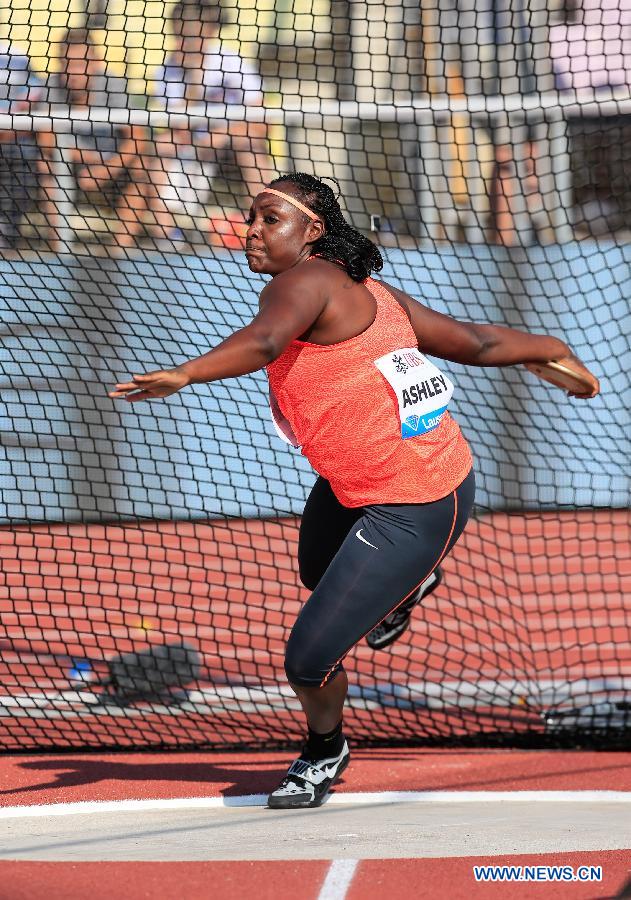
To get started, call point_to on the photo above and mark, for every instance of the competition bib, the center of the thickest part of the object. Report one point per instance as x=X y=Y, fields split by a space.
x=423 y=392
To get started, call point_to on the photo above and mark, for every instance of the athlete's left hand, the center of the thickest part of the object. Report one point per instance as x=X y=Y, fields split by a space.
x=152 y=386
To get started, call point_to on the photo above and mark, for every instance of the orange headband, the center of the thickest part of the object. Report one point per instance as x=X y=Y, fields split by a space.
x=293 y=201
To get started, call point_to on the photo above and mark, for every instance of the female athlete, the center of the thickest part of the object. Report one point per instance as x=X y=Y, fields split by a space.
x=350 y=384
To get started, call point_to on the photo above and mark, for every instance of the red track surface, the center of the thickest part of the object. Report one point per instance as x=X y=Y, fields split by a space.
x=42 y=779
x=422 y=879
x=70 y=778
x=536 y=597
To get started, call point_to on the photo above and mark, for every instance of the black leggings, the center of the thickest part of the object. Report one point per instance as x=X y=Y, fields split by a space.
x=361 y=564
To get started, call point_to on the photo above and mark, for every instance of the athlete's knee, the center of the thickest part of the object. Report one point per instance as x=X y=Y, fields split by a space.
x=300 y=671
x=304 y=668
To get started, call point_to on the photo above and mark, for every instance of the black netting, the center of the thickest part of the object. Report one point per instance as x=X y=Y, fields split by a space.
x=148 y=554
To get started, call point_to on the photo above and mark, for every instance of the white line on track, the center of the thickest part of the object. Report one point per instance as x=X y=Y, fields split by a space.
x=389 y=797
x=338 y=879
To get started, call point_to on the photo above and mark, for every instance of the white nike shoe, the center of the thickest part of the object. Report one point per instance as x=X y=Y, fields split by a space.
x=307 y=782
x=393 y=626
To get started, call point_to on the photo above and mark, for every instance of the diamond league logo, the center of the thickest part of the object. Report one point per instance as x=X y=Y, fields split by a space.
x=412 y=422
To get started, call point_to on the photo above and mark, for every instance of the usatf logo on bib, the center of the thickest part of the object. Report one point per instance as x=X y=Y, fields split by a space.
x=423 y=392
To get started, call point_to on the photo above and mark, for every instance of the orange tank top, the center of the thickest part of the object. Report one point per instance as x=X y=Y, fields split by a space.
x=370 y=412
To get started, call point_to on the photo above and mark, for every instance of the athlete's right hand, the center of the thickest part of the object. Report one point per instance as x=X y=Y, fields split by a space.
x=151 y=386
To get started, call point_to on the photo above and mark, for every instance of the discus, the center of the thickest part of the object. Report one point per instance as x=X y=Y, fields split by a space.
x=562 y=374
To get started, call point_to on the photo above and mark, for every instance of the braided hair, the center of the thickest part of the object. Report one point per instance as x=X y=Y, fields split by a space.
x=341 y=242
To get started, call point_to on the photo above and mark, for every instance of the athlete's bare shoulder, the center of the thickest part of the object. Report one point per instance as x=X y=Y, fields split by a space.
x=334 y=273
x=314 y=277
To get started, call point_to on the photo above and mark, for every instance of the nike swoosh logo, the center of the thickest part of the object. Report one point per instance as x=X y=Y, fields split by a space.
x=311 y=774
x=358 y=534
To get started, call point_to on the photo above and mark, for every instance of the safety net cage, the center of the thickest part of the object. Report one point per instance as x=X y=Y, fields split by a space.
x=148 y=576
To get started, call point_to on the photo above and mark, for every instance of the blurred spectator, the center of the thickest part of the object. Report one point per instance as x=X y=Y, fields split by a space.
x=504 y=190
x=84 y=78
x=24 y=155
x=202 y=68
x=110 y=163
x=591 y=46
x=601 y=174
x=518 y=214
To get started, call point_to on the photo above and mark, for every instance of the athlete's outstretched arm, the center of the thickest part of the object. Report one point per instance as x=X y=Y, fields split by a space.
x=290 y=304
x=479 y=345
